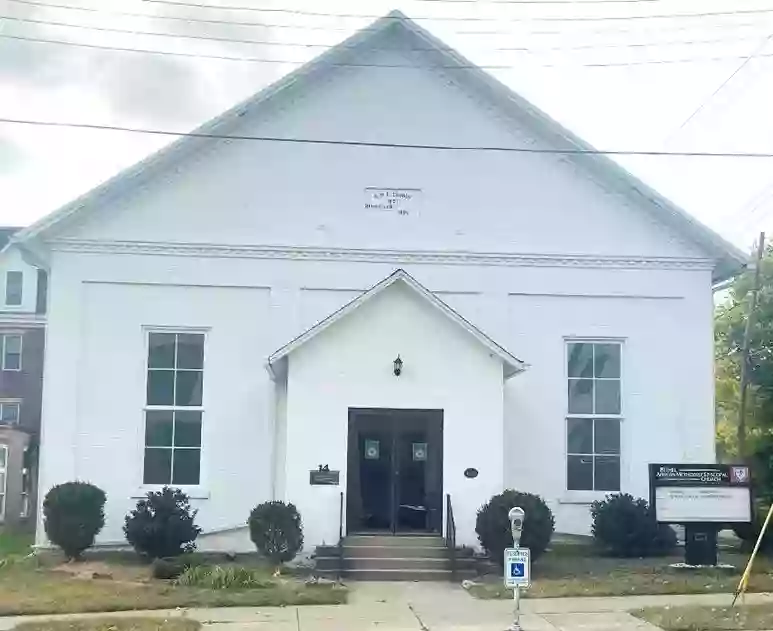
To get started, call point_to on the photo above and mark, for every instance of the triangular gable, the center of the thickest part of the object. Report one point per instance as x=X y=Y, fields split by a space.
x=729 y=259
x=510 y=362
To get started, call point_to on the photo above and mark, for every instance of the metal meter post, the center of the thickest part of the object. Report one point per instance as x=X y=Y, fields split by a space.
x=516 y=516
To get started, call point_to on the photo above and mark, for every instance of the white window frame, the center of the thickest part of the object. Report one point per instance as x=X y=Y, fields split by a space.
x=194 y=491
x=17 y=403
x=3 y=339
x=588 y=495
x=4 y=486
x=7 y=285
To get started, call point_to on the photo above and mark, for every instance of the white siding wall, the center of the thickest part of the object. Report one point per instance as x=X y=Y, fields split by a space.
x=95 y=389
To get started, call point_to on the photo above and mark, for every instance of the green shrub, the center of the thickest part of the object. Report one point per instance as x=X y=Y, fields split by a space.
x=219 y=577
x=167 y=568
x=493 y=525
x=163 y=525
x=277 y=531
x=624 y=526
x=73 y=515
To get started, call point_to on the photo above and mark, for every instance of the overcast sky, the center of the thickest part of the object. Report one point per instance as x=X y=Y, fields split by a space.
x=620 y=81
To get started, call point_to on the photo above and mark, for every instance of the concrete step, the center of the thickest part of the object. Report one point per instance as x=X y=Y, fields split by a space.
x=398 y=575
x=427 y=552
x=395 y=563
x=399 y=541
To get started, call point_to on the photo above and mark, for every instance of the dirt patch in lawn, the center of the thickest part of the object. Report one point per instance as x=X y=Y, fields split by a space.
x=758 y=616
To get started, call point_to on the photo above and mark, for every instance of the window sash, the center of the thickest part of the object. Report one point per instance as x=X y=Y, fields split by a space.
x=14 y=288
x=7 y=363
x=4 y=405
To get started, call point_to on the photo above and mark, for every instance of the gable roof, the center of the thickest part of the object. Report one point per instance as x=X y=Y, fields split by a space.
x=511 y=364
x=729 y=259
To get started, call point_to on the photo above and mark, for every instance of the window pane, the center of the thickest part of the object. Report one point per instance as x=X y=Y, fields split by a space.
x=2 y=482
x=607 y=362
x=158 y=428
x=158 y=466
x=188 y=387
x=190 y=350
x=607 y=436
x=13 y=288
x=161 y=350
x=13 y=344
x=580 y=360
x=3 y=453
x=160 y=387
x=9 y=413
x=187 y=431
x=607 y=473
x=608 y=397
x=580 y=396
x=579 y=438
x=11 y=361
x=186 y=466
x=579 y=473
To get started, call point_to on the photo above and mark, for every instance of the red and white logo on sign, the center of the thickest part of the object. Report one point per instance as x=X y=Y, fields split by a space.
x=739 y=475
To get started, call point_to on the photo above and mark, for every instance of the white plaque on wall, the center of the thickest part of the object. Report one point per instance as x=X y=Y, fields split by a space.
x=401 y=201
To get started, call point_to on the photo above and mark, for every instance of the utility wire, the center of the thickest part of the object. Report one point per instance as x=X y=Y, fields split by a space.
x=721 y=86
x=317 y=27
x=456 y=18
x=526 y=49
x=385 y=145
x=40 y=40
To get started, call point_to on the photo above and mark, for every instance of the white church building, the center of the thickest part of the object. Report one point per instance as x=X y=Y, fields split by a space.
x=443 y=294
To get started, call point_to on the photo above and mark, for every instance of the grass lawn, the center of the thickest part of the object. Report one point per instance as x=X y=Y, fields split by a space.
x=29 y=588
x=13 y=544
x=709 y=618
x=112 y=624
x=573 y=570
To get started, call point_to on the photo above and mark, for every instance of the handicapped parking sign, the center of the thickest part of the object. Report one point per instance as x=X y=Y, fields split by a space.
x=517 y=567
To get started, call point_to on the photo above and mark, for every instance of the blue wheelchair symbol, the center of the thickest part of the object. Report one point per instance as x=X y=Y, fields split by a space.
x=517 y=570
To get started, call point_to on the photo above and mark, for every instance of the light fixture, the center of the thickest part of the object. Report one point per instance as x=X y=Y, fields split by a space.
x=397 y=366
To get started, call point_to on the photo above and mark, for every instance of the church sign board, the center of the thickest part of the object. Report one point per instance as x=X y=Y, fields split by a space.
x=700 y=493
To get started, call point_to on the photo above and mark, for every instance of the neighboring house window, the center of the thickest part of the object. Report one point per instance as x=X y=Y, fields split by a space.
x=11 y=350
x=173 y=408
x=9 y=412
x=26 y=485
x=14 y=282
x=3 y=469
x=594 y=416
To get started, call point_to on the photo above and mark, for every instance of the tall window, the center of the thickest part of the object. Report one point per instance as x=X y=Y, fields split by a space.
x=11 y=352
x=14 y=283
x=594 y=415
x=9 y=412
x=3 y=469
x=173 y=408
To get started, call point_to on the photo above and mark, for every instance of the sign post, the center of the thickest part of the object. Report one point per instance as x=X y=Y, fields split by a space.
x=517 y=564
x=703 y=498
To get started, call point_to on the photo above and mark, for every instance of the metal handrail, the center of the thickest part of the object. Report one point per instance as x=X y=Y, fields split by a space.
x=451 y=536
x=340 y=535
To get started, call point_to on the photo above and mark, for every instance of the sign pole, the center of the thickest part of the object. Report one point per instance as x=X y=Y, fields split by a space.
x=516 y=516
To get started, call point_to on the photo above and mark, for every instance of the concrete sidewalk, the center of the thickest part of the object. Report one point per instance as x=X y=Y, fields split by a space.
x=431 y=607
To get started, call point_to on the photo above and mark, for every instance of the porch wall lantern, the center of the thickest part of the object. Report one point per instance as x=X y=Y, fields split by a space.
x=397 y=366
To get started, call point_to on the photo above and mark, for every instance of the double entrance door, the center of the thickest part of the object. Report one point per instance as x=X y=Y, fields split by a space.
x=395 y=471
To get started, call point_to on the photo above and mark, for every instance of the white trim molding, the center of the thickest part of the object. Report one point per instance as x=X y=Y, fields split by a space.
x=431 y=257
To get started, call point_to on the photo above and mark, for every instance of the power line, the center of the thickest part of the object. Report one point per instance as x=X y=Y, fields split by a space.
x=721 y=86
x=474 y=18
x=312 y=27
x=39 y=40
x=229 y=40
x=385 y=145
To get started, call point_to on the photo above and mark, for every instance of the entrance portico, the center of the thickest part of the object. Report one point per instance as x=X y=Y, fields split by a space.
x=401 y=439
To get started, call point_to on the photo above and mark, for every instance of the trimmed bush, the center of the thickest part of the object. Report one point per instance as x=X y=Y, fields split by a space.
x=277 y=531
x=163 y=525
x=166 y=569
x=73 y=515
x=624 y=526
x=493 y=525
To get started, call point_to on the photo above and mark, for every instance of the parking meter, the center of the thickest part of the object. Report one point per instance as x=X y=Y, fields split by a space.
x=516 y=516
